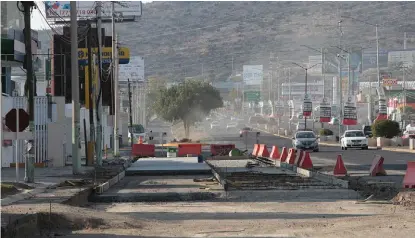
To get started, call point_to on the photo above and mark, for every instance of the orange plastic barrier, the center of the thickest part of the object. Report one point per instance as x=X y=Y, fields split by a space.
x=299 y=157
x=377 y=167
x=219 y=149
x=275 y=153
x=291 y=157
x=340 y=169
x=305 y=161
x=263 y=151
x=256 y=150
x=189 y=149
x=284 y=154
x=143 y=150
x=409 y=179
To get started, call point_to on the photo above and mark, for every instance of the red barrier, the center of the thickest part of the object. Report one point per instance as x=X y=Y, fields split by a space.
x=377 y=167
x=220 y=149
x=256 y=150
x=284 y=154
x=299 y=158
x=291 y=157
x=189 y=149
x=409 y=179
x=143 y=150
x=263 y=151
x=275 y=153
x=339 y=169
x=306 y=162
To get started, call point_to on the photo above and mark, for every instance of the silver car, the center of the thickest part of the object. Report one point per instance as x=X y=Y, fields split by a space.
x=305 y=140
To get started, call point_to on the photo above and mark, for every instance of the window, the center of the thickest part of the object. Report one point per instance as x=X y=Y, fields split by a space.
x=354 y=134
x=303 y=135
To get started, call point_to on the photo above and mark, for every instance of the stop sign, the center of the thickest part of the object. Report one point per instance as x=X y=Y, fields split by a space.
x=11 y=119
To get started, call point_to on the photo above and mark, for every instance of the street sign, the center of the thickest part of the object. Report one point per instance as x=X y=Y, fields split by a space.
x=325 y=111
x=252 y=96
x=307 y=106
x=350 y=113
x=11 y=120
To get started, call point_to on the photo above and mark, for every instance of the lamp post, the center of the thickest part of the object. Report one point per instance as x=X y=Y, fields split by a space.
x=305 y=88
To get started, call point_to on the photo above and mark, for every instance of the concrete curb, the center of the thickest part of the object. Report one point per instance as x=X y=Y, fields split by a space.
x=21 y=196
x=326 y=178
x=100 y=189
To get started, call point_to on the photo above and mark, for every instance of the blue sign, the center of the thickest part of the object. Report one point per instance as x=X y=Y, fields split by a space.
x=369 y=59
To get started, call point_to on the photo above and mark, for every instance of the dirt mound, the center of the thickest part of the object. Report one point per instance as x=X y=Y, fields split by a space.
x=60 y=218
x=405 y=198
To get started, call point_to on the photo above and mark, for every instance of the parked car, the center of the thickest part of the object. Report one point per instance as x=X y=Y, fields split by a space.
x=231 y=126
x=214 y=125
x=305 y=140
x=354 y=139
x=244 y=130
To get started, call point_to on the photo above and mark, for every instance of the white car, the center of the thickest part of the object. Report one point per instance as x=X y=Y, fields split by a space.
x=354 y=139
x=214 y=125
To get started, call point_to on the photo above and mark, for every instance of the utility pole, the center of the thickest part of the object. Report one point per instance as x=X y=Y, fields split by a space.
x=131 y=113
x=98 y=103
x=270 y=86
x=404 y=83
x=29 y=163
x=377 y=56
x=340 y=84
x=90 y=95
x=75 y=90
x=115 y=82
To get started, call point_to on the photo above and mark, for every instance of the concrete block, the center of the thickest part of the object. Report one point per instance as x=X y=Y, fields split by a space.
x=113 y=181
x=121 y=175
x=382 y=142
x=412 y=144
x=372 y=142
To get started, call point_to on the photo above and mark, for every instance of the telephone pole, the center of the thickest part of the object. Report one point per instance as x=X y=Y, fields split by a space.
x=75 y=90
x=98 y=102
x=30 y=158
x=90 y=94
x=131 y=114
x=115 y=82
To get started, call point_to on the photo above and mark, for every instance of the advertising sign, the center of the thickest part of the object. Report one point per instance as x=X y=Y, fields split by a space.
x=390 y=82
x=307 y=106
x=350 y=112
x=279 y=109
x=134 y=70
x=369 y=59
x=405 y=58
x=253 y=74
x=325 y=111
x=61 y=10
x=123 y=55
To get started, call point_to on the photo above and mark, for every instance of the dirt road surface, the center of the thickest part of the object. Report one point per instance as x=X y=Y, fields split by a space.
x=238 y=218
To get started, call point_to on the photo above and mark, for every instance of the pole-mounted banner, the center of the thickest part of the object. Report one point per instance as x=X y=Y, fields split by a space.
x=307 y=106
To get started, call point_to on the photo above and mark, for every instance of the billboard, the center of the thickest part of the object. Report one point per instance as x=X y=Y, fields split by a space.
x=123 y=55
x=134 y=70
x=124 y=10
x=405 y=58
x=369 y=59
x=253 y=74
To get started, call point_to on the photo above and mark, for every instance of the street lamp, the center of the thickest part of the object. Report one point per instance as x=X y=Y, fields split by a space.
x=305 y=91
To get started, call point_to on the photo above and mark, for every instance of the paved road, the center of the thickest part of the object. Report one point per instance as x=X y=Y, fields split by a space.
x=356 y=160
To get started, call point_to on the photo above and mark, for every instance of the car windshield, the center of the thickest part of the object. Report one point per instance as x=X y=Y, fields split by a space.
x=354 y=134
x=305 y=135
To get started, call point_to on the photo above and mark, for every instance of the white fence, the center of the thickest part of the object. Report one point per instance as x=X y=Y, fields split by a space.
x=41 y=118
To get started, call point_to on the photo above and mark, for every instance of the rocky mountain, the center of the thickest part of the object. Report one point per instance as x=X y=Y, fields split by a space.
x=189 y=39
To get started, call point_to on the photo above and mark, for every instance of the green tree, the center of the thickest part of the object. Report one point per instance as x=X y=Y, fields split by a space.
x=385 y=128
x=188 y=102
x=155 y=86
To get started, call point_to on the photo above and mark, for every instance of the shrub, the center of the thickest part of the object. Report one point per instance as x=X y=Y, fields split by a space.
x=385 y=128
x=326 y=132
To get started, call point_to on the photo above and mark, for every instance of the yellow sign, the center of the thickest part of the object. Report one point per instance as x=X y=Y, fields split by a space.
x=390 y=82
x=123 y=55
